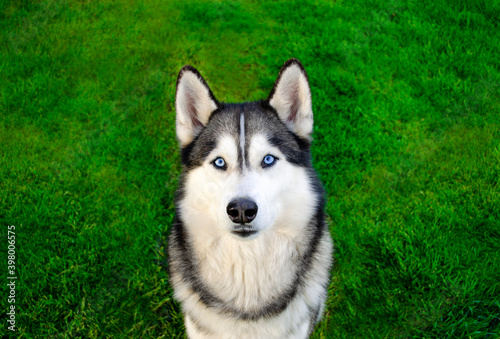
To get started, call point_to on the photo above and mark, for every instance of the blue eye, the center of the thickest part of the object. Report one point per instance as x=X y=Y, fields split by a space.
x=219 y=163
x=268 y=160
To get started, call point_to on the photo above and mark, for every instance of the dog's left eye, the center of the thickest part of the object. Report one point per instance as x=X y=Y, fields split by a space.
x=268 y=160
x=219 y=163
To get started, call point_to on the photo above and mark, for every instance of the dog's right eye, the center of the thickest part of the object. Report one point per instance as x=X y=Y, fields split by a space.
x=268 y=161
x=219 y=163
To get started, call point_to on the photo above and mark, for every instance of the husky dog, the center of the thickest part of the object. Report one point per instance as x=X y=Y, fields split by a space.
x=249 y=250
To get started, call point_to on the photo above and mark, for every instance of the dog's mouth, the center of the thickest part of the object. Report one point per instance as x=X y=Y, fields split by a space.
x=244 y=230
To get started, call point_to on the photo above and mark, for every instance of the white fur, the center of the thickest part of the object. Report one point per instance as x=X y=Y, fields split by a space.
x=191 y=94
x=292 y=92
x=247 y=273
x=242 y=134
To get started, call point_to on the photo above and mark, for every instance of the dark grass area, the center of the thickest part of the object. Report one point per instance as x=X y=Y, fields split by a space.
x=406 y=97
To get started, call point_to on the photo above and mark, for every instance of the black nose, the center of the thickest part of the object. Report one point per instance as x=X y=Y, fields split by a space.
x=242 y=210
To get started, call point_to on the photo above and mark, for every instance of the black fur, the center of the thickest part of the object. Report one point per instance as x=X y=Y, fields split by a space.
x=259 y=118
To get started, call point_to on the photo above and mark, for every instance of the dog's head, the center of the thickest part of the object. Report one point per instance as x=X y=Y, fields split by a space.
x=246 y=167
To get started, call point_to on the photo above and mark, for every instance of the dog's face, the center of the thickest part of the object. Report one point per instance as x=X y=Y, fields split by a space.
x=246 y=166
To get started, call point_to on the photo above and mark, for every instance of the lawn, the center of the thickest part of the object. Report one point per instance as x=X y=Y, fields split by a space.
x=406 y=98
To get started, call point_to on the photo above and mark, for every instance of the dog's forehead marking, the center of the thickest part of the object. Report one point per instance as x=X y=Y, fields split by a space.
x=242 y=138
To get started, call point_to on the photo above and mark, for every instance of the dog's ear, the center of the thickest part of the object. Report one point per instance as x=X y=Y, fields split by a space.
x=291 y=98
x=194 y=103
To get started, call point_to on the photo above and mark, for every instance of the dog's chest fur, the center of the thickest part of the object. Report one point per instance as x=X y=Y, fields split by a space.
x=248 y=275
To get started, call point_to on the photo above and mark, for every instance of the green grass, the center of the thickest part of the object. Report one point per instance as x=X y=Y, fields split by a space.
x=406 y=97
